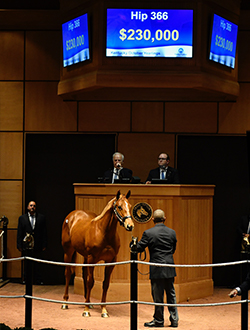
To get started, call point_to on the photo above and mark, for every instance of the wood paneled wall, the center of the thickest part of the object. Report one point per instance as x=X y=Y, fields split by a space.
x=30 y=61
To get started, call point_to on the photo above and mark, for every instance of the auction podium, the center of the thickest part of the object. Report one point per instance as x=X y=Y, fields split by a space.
x=188 y=210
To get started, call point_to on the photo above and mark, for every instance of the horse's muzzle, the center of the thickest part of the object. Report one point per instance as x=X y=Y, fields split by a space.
x=129 y=227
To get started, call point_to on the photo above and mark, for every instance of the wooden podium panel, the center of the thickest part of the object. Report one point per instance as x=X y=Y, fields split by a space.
x=188 y=210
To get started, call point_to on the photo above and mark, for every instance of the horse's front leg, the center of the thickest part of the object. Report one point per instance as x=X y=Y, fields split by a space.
x=89 y=285
x=105 y=286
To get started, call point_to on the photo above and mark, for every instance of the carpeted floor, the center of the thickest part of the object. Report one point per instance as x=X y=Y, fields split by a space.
x=50 y=315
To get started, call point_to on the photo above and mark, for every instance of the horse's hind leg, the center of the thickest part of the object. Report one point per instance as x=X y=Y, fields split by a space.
x=84 y=276
x=105 y=286
x=68 y=272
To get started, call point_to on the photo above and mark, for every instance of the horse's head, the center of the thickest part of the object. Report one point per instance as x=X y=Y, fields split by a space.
x=122 y=210
x=28 y=241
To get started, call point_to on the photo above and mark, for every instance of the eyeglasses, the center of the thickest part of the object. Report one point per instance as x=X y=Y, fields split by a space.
x=162 y=158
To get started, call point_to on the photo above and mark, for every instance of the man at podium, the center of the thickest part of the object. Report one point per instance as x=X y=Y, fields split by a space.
x=118 y=173
x=163 y=173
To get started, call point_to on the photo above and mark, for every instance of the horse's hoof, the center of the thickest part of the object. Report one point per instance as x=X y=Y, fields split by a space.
x=64 y=306
x=86 y=314
x=105 y=314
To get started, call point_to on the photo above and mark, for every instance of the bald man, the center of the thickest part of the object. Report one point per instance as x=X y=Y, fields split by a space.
x=161 y=242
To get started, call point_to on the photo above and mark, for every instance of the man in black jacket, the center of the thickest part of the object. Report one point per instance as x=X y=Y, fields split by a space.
x=163 y=171
x=245 y=286
x=244 y=226
x=34 y=224
x=118 y=172
x=161 y=242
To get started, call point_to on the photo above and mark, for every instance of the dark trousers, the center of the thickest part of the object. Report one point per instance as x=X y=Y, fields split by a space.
x=158 y=287
x=37 y=266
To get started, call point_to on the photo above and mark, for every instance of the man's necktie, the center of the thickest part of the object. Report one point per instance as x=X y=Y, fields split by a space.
x=163 y=175
x=248 y=229
x=32 y=221
x=116 y=174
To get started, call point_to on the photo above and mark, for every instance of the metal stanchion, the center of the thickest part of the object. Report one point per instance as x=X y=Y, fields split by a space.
x=133 y=288
x=28 y=264
x=244 y=296
x=5 y=222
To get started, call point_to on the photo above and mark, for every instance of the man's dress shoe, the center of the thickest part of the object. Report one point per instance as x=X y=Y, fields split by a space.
x=154 y=324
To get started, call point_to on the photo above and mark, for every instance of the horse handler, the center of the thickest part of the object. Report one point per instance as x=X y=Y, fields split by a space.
x=32 y=224
x=161 y=242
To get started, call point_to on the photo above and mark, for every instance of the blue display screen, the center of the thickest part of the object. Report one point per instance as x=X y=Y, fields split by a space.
x=223 y=41
x=75 y=37
x=149 y=33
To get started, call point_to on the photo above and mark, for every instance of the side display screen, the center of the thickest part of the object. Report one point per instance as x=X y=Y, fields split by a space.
x=223 y=41
x=75 y=35
x=149 y=33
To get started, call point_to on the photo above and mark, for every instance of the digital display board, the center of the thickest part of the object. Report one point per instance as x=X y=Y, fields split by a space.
x=149 y=33
x=75 y=35
x=223 y=41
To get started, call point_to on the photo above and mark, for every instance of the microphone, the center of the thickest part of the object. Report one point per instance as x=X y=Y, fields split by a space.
x=118 y=165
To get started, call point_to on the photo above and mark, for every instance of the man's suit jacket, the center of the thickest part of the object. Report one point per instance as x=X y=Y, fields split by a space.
x=243 y=226
x=39 y=233
x=172 y=175
x=124 y=173
x=161 y=242
x=246 y=284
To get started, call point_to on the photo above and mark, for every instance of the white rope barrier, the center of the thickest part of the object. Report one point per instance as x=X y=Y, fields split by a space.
x=200 y=265
x=12 y=296
x=194 y=305
x=126 y=262
x=122 y=263
x=12 y=259
x=77 y=265
x=78 y=303
x=127 y=302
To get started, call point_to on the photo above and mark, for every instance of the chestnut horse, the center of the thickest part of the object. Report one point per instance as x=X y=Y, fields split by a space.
x=95 y=238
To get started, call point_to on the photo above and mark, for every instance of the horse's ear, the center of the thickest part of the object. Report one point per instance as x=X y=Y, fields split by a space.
x=118 y=194
x=128 y=194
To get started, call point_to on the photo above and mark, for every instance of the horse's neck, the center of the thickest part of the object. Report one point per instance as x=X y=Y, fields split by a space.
x=108 y=223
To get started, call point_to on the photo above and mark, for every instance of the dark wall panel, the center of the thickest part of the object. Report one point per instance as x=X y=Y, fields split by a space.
x=53 y=163
x=222 y=161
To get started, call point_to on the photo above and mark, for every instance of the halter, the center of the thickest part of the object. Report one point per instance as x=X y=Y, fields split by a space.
x=119 y=217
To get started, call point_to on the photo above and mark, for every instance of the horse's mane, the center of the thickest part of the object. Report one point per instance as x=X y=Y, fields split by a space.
x=106 y=208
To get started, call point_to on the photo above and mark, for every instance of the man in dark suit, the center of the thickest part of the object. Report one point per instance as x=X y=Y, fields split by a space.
x=118 y=172
x=244 y=226
x=164 y=171
x=244 y=232
x=34 y=224
x=161 y=242
x=243 y=287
